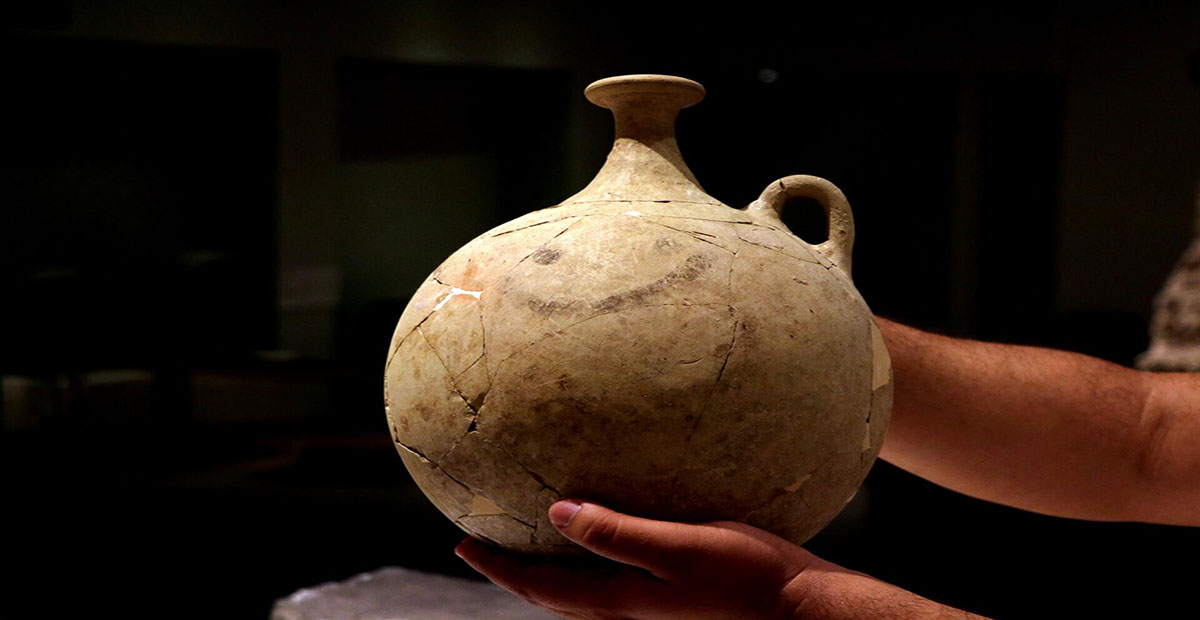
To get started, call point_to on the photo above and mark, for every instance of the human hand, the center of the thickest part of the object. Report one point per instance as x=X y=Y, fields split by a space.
x=666 y=570
x=670 y=570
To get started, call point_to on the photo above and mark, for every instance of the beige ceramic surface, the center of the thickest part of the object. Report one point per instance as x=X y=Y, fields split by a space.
x=645 y=346
x=1175 y=327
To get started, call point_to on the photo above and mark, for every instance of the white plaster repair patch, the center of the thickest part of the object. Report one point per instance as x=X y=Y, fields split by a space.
x=454 y=292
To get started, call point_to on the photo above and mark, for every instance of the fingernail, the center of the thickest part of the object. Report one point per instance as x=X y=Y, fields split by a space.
x=563 y=511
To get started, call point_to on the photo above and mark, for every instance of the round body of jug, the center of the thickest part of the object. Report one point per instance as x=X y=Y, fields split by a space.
x=644 y=346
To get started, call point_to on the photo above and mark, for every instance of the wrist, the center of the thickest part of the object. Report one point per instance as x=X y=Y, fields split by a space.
x=830 y=592
x=802 y=595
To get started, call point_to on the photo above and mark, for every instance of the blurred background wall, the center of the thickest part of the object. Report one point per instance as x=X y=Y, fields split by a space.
x=215 y=212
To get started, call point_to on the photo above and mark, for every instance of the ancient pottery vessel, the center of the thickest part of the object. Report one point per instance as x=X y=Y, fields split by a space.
x=642 y=345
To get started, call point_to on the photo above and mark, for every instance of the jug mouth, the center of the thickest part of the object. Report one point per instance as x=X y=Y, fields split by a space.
x=680 y=92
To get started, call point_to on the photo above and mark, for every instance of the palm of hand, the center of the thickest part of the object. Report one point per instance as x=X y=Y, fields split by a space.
x=662 y=570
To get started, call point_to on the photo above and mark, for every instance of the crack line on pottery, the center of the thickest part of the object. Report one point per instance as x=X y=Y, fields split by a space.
x=392 y=353
x=729 y=278
x=793 y=489
x=536 y=476
x=471 y=365
x=709 y=219
x=535 y=251
x=534 y=225
x=693 y=234
x=471 y=488
x=490 y=540
x=434 y=464
x=560 y=331
x=714 y=203
x=450 y=375
x=687 y=442
x=532 y=527
x=781 y=251
x=458 y=522
x=396 y=349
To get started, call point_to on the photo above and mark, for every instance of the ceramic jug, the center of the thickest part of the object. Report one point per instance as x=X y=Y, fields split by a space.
x=644 y=346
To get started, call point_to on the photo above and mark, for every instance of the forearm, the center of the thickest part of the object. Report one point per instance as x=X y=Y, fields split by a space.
x=1048 y=431
x=831 y=592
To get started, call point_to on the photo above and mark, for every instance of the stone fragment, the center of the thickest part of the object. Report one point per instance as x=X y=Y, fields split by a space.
x=404 y=594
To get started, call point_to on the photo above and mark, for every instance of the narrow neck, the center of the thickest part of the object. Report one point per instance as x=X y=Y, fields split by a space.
x=645 y=147
x=644 y=119
x=645 y=163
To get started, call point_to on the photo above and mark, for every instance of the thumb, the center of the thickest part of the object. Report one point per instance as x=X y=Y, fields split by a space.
x=653 y=545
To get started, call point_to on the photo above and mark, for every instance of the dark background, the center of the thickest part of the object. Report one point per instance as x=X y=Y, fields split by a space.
x=214 y=213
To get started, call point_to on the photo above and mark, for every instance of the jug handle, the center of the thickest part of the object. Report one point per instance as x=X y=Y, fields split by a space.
x=837 y=212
